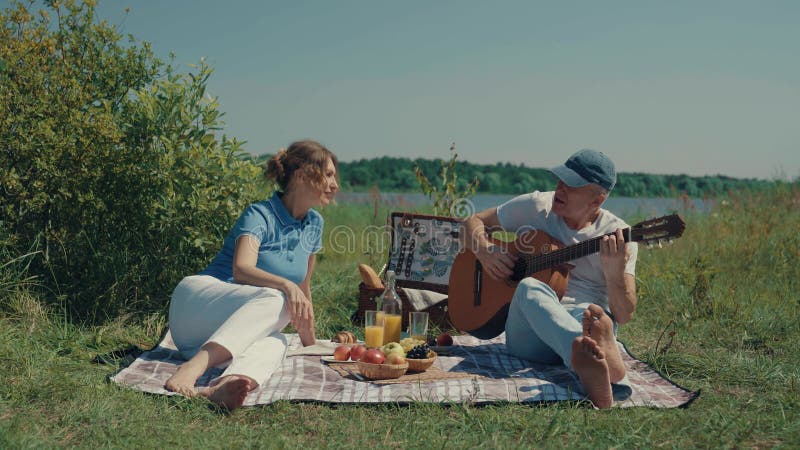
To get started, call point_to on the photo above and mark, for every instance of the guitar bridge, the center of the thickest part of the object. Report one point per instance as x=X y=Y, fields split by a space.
x=476 y=283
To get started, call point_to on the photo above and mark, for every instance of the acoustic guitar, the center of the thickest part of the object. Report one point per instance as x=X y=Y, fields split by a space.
x=478 y=304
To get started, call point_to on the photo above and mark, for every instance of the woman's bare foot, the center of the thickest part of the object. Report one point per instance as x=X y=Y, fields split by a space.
x=597 y=325
x=229 y=393
x=183 y=380
x=588 y=361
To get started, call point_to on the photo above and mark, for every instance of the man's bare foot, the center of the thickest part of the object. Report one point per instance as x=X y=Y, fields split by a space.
x=588 y=361
x=229 y=393
x=597 y=325
x=183 y=380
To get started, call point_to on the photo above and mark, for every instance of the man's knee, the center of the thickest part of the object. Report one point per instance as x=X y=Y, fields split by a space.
x=531 y=288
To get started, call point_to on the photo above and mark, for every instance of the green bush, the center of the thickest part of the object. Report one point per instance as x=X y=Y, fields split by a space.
x=110 y=161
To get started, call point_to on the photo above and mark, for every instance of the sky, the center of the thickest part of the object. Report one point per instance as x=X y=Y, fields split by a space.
x=695 y=87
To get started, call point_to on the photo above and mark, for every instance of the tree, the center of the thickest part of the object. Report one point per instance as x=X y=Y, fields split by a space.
x=447 y=198
x=109 y=160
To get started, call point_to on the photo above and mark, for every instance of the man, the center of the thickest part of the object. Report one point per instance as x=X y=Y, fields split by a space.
x=580 y=329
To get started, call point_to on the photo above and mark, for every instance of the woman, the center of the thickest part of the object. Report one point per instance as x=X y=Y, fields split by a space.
x=257 y=284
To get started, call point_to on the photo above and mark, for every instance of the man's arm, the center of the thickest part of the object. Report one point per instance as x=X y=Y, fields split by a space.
x=497 y=263
x=621 y=286
x=622 y=298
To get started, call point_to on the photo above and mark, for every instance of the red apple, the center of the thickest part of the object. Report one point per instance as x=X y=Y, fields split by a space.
x=357 y=351
x=341 y=353
x=395 y=358
x=373 y=356
x=444 y=340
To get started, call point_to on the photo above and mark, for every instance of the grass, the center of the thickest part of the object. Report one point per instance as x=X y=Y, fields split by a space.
x=718 y=312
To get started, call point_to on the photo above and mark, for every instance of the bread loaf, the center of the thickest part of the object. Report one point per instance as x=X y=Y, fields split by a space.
x=344 y=337
x=369 y=277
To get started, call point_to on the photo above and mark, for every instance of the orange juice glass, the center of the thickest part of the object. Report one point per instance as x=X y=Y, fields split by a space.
x=391 y=328
x=373 y=329
x=373 y=336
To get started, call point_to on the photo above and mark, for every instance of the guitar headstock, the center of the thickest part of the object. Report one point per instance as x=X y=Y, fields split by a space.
x=659 y=230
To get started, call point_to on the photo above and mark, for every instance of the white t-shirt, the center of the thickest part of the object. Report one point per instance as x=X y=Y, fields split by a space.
x=586 y=281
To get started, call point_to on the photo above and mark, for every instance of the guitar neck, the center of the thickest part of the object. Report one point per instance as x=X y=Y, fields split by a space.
x=535 y=263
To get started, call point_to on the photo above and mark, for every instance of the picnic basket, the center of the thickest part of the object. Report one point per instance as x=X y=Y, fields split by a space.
x=381 y=371
x=422 y=251
x=421 y=365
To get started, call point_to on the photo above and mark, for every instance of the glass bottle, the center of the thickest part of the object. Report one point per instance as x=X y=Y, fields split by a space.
x=392 y=310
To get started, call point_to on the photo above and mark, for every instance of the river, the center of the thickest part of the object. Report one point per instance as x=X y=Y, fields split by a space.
x=626 y=207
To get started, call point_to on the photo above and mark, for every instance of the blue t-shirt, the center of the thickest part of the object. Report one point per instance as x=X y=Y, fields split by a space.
x=285 y=243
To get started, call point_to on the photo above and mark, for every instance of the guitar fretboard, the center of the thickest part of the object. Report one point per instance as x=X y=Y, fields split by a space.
x=530 y=263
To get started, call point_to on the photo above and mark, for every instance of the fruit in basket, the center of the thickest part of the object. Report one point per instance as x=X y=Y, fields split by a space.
x=373 y=356
x=357 y=351
x=393 y=347
x=418 y=352
x=341 y=353
x=444 y=340
x=395 y=358
x=409 y=343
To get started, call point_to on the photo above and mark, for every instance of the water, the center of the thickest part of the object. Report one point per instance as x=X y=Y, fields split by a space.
x=626 y=207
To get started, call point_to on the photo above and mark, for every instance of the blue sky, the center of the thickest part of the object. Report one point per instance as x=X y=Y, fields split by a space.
x=693 y=87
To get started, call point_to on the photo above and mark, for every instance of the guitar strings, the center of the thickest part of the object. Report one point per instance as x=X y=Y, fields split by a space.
x=536 y=263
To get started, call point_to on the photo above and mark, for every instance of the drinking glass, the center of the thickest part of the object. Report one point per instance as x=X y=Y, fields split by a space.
x=373 y=329
x=418 y=325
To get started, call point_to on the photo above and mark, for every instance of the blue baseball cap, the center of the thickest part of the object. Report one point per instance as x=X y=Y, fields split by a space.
x=587 y=166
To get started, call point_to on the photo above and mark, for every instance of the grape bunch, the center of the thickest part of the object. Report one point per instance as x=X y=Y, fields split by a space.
x=409 y=343
x=418 y=352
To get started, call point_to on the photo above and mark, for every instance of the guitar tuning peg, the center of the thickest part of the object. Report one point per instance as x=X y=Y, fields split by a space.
x=649 y=245
x=670 y=241
x=659 y=244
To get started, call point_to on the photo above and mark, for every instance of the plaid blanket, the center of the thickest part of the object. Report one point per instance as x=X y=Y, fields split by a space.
x=496 y=377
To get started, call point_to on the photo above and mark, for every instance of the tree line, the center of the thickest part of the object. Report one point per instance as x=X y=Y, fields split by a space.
x=392 y=174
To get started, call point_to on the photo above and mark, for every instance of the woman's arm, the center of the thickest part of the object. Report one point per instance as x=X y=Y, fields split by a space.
x=245 y=271
x=306 y=328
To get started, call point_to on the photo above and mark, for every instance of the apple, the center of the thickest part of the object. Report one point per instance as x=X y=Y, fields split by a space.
x=395 y=358
x=357 y=351
x=373 y=356
x=444 y=340
x=393 y=347
x=341 y=353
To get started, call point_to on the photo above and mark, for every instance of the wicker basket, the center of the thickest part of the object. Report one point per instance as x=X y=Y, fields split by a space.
x=437 y=314
x=420 y=365
x=381 y=371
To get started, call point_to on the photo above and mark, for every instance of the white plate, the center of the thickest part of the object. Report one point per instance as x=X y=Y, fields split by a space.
x=331 y=359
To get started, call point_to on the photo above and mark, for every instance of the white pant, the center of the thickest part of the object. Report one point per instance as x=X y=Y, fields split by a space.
x=244 y=319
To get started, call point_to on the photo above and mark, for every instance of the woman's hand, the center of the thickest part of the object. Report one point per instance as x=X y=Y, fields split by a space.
x=302 y=312
x=300 y=306
x=305 y=329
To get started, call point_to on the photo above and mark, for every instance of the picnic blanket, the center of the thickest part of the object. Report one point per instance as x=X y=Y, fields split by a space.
x=478 y=372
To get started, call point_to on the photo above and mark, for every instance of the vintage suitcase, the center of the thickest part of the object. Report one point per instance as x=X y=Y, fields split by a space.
x=422 y=251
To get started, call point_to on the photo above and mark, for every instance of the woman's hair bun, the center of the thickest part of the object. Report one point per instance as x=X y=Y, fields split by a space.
x=308 y=157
